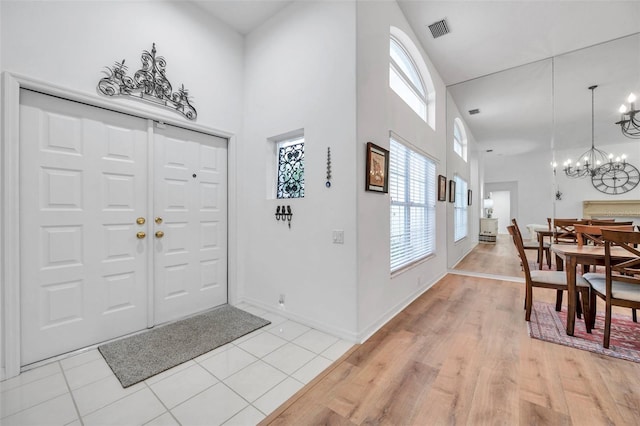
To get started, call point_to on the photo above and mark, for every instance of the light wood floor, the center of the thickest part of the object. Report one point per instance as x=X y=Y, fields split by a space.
x=497 y=259
x=461 y=354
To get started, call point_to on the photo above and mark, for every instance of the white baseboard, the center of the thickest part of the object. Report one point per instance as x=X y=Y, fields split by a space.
x=309 y=322
x=395 y=310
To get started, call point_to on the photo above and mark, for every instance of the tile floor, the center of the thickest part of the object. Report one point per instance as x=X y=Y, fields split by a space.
x=237 y=384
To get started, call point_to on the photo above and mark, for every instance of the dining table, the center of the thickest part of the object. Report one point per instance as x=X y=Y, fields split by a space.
x=569 y=256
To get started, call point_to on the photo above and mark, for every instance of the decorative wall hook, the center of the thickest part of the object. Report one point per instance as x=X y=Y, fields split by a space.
x=284 y=213
x=149 y=83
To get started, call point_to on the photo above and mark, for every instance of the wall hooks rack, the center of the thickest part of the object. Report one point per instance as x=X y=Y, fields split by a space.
x=284 y=213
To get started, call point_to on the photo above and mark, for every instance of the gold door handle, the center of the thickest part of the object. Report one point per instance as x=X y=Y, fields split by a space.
x=140 y=221
x=159 y=234
x=140 y=235
x=158 y=220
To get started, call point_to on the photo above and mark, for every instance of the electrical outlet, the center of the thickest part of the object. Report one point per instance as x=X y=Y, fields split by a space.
x=338 y=236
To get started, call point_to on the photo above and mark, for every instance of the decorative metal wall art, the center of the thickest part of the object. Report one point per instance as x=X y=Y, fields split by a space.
x=149 y=83
x=291 y=171
x=328 y=183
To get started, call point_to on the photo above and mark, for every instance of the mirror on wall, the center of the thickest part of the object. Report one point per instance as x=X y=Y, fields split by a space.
x=540 y=113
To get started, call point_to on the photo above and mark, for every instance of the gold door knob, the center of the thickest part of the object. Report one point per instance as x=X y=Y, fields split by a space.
x=158 y=220
x=140 y=221
x=140 y=235
x=159 y=234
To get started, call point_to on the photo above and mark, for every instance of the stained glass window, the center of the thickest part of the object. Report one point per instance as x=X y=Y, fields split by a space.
x=291 y=168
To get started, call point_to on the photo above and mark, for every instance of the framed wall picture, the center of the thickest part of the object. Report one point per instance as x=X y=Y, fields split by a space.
x=452 y=191
x=377 y=179
x=469 y=197
x=442 y=188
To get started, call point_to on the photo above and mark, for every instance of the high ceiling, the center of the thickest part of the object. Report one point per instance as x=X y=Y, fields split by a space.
x=496 y=58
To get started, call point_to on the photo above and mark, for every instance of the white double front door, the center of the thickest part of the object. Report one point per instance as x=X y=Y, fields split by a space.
x=122 y=225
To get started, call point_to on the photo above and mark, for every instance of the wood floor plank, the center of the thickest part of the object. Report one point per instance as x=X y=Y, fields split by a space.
x=461 y=354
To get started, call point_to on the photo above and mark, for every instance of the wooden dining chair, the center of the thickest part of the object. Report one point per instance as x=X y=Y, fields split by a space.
x=607 y=222
x=621 y=283
x=535 y=245
x=592 y=234
x=564 y=231
x=556 y=280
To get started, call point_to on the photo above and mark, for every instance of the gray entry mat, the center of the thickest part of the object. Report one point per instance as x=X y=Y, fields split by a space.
x=136 y=358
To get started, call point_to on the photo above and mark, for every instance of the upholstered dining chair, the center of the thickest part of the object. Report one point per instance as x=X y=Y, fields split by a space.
x=556 y=280
x=535 y=245
x=592 y=234
x=621 y=283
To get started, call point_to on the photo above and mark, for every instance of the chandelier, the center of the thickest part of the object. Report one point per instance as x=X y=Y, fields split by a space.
x=629 y=124
x=594 y=161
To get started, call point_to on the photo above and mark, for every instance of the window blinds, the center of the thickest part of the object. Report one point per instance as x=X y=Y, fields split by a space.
x=412 y=188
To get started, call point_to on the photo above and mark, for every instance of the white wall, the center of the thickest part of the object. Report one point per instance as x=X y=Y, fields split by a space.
x=300 y=74
x=536 y=185
x=2 y=155
x=574 y=191
x=529 y=177
x=69 y=43
x=380 y=110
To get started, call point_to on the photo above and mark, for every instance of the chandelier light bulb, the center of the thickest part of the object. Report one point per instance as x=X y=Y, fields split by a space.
x=578 y=164
x=623 y=109
x=617 y=159
x=631 y=98
x=598 y=162
x=610 y=156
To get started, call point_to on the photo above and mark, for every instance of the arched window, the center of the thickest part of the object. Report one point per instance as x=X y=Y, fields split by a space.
x=409 y=77
x=459 y=139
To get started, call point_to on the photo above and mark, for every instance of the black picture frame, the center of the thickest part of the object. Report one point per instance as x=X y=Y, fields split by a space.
x=452 y=191
x=469 y=197
x=442 y=188
x=377 y=178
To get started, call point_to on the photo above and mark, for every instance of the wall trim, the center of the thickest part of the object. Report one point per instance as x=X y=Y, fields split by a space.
x=10 y=197
x=335 y=331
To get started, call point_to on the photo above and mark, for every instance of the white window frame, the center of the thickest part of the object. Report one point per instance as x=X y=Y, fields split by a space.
x=459 y=139
x=461 y=212
x=420 y=68
x=412 y=187
x=412 y=92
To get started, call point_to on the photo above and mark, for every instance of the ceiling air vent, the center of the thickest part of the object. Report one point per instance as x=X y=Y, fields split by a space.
x=474 y=111
x=439 y=28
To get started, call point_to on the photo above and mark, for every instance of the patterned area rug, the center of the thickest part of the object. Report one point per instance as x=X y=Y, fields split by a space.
x=548 y=325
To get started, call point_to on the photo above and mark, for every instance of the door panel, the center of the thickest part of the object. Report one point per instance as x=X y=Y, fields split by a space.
x=82 y=175
x=85 y=178
x=191 y=197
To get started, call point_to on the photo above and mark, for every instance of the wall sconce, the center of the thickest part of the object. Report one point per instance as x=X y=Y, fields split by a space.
x=284 y=213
